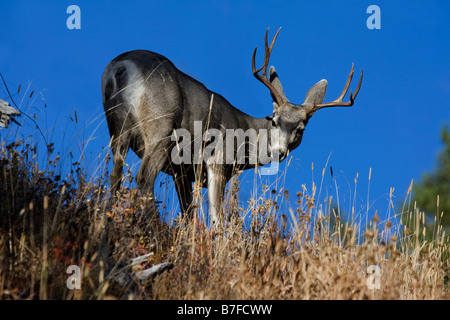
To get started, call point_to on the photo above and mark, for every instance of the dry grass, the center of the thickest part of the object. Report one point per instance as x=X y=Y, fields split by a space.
x=48 y=222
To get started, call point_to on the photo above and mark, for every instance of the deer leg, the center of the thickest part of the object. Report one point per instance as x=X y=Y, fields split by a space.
x=148 y=172
x=153 y=161
x=216 y=188
x=120 y=147
x=184 y=190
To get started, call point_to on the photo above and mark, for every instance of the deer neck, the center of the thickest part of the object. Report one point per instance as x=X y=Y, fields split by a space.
x=263 y=127
x=258 y=123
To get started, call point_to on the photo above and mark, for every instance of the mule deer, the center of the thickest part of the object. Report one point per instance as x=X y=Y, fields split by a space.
x=146 y=98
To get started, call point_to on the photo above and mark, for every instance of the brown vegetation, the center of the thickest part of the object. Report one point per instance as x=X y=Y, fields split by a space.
x=48 y=222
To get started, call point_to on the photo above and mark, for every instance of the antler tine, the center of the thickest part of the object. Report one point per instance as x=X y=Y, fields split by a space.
x=338 y=102
x=268 y=50
x=358 y=87
x=253 y=63
x=263 y=78
x=347 y=84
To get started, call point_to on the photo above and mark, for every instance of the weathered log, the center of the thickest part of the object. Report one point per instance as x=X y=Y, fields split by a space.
x=153 y=271
x=125 y=276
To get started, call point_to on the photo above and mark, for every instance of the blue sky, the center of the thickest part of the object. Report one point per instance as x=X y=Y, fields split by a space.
x=394 y=127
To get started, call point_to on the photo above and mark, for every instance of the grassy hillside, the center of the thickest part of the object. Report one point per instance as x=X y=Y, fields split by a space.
x=49 y=222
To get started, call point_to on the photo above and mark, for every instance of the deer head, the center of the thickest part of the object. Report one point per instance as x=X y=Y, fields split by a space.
x=290 y=118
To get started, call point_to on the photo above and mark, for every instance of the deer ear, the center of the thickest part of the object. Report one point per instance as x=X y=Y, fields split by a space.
x=316 y=94
x=275 y=81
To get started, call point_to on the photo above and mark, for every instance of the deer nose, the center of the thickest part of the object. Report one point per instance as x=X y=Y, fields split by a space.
x=280 y=155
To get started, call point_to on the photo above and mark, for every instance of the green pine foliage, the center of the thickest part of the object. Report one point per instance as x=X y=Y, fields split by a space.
x=437 y=183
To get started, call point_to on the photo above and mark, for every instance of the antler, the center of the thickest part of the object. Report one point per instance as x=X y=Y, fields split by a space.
x=263 y=78
x=338 y=102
